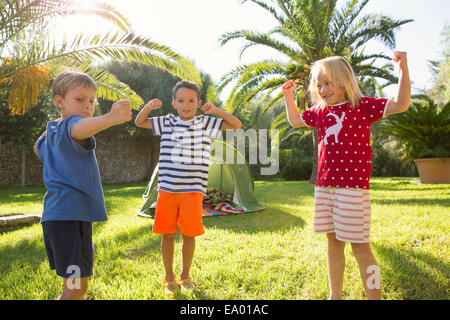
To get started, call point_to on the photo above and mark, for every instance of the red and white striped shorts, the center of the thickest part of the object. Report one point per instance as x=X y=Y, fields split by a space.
x=345 y=212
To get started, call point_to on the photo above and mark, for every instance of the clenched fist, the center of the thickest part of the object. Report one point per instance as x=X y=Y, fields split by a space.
x=153 y=104
x=400 y=58
x=289 y=87
x=120 y=112
x=209 y=108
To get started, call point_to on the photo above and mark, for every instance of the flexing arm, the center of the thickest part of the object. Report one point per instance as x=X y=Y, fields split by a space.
x=229 y=121
x=120 y=112
x=293 y=114
x=142 y=119
x=401 y=103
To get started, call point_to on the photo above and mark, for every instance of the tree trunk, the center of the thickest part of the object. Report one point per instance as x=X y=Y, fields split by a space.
x=23 y=172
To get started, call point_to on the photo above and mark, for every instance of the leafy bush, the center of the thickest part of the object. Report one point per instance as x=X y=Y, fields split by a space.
x=295 y=165
x=423 y=130
x=386 y=162
x=23 y=130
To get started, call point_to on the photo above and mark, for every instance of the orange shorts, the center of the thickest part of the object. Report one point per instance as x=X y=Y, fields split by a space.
x=184 y=209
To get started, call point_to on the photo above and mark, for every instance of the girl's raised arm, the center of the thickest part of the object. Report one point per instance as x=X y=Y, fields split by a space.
x=402 y=101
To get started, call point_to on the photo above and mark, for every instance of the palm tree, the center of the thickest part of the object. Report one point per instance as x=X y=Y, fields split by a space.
x=308 y=30
x=29 y=55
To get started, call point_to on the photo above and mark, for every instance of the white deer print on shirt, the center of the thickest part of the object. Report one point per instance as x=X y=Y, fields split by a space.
x=334 y=129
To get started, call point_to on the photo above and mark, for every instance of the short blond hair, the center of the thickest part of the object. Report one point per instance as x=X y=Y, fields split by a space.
x=340 y=73
x=68 y=80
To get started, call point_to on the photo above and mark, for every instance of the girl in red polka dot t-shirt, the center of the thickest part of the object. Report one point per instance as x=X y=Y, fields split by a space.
x=343 y=118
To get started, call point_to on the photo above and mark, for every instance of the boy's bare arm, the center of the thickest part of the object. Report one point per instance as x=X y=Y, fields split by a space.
x=120 y=112
x=35 y=145
x=291 y=110
x=403 y=99
x=229 y=121
x=142 y=119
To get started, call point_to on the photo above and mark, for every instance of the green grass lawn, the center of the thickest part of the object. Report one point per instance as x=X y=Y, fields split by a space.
x=272 y=254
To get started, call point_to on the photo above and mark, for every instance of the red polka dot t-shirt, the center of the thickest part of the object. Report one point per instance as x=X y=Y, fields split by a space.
x=345 y=154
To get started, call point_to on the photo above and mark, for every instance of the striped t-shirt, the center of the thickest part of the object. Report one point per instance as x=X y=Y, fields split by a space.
x=184 y=151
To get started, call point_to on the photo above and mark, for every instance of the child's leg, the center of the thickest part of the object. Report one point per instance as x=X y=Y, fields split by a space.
x=336 y=266
x=367 y=267
x=74 y=289
x=188 y=255
x=167 y=249
x=191 y=226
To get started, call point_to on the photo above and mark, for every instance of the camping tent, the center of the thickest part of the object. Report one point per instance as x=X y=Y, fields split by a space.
x=230 y=185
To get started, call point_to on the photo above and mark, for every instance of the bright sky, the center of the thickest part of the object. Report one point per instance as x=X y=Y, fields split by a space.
x=192 y=28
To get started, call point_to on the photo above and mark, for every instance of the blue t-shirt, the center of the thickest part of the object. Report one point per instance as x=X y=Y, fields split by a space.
x=71 y=175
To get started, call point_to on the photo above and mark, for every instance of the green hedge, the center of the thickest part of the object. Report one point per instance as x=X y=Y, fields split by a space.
x=295 y=165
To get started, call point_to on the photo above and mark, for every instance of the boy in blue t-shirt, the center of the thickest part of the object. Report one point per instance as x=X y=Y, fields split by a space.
x=75 y=196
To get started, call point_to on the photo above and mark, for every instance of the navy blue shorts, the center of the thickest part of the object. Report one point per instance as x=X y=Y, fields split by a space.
x=69 y=248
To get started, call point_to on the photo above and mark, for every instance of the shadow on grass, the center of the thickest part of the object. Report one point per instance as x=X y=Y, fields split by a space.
x=268 y=220
x=198 y=293
x=25 y=252
x=407 y=185
x=408 y=276
x=413 y=202
x=21 y=195
x=150 y=246
x=131 y=188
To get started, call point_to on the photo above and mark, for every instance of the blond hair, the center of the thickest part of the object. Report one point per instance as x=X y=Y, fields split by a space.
x=340 y=73
x=68 y=80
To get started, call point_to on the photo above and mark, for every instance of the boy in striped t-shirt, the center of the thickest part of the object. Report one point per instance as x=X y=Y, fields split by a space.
x=183 y=171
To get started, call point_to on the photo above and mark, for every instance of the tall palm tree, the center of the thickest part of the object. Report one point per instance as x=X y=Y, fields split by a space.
x=30 y=54
x=306 y=31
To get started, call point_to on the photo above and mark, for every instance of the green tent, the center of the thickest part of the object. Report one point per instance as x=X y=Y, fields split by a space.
x=230 y=185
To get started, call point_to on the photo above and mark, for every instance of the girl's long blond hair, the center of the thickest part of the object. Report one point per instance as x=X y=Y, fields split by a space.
x=340 y=73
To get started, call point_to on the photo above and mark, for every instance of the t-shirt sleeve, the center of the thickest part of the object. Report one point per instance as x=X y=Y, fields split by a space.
x=211 y=126
x=309 y=117
x=40 y=148
x=158 y=125
x=65 y=126
x=375 y=108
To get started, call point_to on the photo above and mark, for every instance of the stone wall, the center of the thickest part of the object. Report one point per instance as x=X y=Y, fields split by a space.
x=121 y=158
x=11 y=166
x=124 y=158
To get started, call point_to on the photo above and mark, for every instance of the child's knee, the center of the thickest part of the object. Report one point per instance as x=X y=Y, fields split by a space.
x=169 y=236
x=362 y=250
x=188 y=238
x=333 y=242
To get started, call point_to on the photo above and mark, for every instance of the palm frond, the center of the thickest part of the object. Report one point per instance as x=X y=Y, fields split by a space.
x=343 y=20
x=25 y=47
x=273 y=10
x=257 y=38
x=285 y=130
x=374 y=26
x=87 y=49
x=25 y=87
x=109 y=87
x=251 y=79
x=17 y=16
